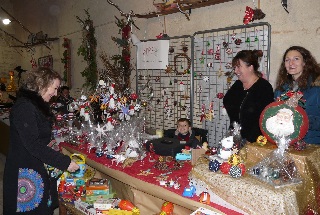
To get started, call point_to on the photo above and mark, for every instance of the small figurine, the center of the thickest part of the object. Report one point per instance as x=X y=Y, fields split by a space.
x=167 y=208
x=204 y=198
x=189 y=191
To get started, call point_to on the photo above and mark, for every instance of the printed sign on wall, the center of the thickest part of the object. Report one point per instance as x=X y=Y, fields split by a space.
x=153 y=54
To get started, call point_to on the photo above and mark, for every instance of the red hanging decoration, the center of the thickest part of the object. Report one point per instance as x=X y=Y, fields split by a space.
x=248 y=15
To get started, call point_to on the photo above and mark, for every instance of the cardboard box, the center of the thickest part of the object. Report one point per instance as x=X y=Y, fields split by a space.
x=94 y=198
x=97 y=186
x=195 y=154
x=106 y=204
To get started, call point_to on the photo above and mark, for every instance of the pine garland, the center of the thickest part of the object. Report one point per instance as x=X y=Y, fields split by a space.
x=66 y=61
x=118 y=67
x=88 y=51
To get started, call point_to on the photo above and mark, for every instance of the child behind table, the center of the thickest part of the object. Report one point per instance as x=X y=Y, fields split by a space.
x=185 y=133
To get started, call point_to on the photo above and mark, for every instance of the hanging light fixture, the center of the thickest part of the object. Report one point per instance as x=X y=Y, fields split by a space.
x=6 y=21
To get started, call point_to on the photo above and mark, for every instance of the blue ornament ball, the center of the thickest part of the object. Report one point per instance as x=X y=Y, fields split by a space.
x=214 y=165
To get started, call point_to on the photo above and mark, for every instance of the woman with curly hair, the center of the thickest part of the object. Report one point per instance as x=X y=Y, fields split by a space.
x=299 y=71
x=28 y=186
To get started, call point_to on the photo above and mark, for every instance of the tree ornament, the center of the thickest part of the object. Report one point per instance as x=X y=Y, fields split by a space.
x=225 y=167
x=111 y=88
x=111 y=102
x=203 y=112
x=109 y=126
x=33 y=63
x=223 y=111
x=217 y=54
x=167 y=208
x=214 y=165
x=243 y=168
x=234 y=160
x=235 y=172
x=186 y=57
x=181 y=86
x=248 y=15
x=220 y=95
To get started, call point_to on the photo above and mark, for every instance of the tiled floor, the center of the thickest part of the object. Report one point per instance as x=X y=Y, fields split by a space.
x=2 y=163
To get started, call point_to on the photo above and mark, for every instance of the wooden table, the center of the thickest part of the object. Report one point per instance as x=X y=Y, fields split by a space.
x=146 y=196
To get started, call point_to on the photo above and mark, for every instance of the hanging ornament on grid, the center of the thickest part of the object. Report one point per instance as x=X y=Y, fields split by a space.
x=201 y=60
x=220 y=72
x=233 y=36
x=210 y=114
x=223 y=111
x=168 y=112
x=33 y=63
x=217 y=54
x=187 y=110
x=203 y=112
x=182 y=87
x=248 y=17
x=210 y=52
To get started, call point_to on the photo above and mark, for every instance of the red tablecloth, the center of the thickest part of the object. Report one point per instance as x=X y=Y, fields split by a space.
x=147 y=164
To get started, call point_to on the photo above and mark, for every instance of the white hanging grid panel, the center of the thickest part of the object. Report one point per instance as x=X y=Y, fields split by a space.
x=206 y=80
x=169 y=101
x=212 y=57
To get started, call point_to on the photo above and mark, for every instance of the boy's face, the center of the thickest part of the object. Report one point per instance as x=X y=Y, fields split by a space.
x=183 y=127
x=65 y=93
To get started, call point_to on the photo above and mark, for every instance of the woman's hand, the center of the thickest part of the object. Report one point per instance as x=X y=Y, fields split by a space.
x=73 y=167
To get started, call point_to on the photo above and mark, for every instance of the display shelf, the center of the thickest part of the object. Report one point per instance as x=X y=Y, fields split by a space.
x=185 y=6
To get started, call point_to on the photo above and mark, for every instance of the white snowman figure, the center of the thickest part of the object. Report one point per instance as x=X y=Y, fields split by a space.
x=226 y=148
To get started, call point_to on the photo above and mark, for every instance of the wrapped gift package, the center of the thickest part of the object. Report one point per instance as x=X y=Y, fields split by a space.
x=257 y=197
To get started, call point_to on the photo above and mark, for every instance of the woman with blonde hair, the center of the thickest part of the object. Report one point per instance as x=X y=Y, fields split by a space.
x=27 y=186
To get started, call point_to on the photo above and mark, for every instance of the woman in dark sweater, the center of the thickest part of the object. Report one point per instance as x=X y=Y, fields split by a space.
x=27 y=187
x=249 y=95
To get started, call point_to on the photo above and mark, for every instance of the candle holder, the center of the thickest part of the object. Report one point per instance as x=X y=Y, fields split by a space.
x=12 y=86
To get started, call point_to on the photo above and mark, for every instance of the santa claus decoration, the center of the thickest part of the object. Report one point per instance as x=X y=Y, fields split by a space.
x=284 y=119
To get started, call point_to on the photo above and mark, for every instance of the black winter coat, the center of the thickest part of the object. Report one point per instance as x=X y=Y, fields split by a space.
x=27 y=186
x=245 y=106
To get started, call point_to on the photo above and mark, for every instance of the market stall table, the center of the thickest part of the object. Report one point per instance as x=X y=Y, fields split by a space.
x=144 y=191
x=257 y=197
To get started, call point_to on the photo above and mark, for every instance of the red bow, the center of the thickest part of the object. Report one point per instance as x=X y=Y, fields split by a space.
x=248 y=16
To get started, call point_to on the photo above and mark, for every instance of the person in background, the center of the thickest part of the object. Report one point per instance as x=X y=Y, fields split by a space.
x=65 y=99
x=185 y=133
x=249 y=95
x=299 y=71
x=27 y=186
